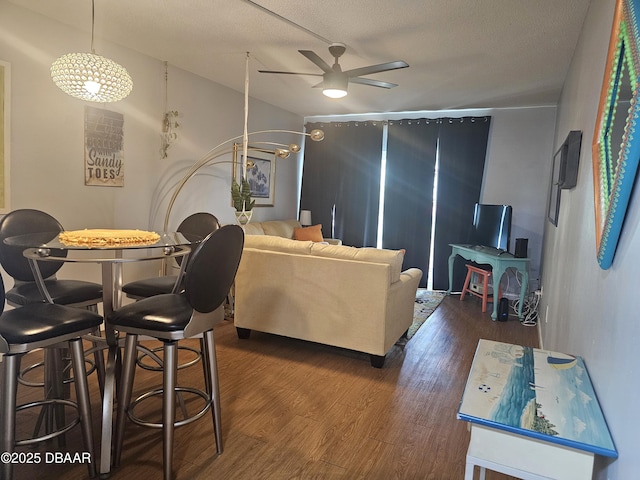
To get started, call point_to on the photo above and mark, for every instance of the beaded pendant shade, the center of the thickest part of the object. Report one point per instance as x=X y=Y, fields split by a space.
x=90 y=77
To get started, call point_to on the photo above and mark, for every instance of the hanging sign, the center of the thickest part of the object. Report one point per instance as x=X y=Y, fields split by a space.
x=103 y=147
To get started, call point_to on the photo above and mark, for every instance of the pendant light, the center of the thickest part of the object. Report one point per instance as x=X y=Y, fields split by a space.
x=90 y=77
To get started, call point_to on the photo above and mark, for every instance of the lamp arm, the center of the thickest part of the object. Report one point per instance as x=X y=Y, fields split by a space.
x=315 y=135
x=192 y=171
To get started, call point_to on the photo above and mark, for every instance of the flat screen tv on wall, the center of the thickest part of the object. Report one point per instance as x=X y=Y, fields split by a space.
x=492 y=226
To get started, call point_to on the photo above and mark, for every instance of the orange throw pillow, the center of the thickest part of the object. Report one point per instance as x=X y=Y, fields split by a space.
x=308 y=233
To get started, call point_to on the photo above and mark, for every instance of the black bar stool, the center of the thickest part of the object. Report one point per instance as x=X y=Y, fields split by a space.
x=73 y=293
x=43 y=325
x=175 y=316
x=200 y=224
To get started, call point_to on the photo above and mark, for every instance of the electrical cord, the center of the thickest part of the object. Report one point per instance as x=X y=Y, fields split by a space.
x=530 y=306
x=529 y=309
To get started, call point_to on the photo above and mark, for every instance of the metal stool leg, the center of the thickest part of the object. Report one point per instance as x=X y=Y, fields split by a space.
x=169 y=405
x=58 y=390
x=205 y=366
x=214 y=387
x=82 y=396
x=124 y=394
x=10 y=369
x=98 y=356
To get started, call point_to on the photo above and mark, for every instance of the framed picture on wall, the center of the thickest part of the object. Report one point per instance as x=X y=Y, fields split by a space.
x=555 y=186
x=616 y=144
x=261 y=173
x=103 y=147
x=5 y=135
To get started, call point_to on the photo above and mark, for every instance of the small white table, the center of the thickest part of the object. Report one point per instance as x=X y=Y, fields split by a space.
x=533 y=414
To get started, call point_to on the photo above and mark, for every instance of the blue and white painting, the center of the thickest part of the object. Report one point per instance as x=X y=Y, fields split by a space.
x=259 y=177
x=538 y=393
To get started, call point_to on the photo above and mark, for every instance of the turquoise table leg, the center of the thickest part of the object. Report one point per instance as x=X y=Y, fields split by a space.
x=498 y=271
x=452 y=257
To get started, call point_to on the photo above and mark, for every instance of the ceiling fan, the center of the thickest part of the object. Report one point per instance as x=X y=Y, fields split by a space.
x=334 y=80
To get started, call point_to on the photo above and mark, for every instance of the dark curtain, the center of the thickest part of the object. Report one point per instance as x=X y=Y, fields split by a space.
x=341 y=180
x=462 y=152
x=408 y=195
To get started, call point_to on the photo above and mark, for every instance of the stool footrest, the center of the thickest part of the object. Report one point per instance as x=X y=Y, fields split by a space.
x=56 y=433
x=158 y=367
x=178 y=391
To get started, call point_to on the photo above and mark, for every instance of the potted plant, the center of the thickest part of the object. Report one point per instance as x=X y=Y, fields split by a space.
x=242 y=201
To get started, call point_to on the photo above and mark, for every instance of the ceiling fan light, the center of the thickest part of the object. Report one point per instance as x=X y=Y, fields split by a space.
x=335 y=85
x=334 y=92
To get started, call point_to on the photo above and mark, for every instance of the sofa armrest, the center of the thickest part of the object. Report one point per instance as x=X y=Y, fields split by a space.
x=402 y=298
x=332 y=241
x=412 y=276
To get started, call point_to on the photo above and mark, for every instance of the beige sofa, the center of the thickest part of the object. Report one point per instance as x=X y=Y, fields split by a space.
x=279 y=228
x=353 y=298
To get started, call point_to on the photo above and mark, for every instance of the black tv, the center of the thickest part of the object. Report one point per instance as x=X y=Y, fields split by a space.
x=491 y=226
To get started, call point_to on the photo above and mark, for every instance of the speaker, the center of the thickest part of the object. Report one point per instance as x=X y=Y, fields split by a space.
x=503 y=310
x=522 y=248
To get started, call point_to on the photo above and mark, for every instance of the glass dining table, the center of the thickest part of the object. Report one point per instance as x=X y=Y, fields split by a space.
x=47 y=247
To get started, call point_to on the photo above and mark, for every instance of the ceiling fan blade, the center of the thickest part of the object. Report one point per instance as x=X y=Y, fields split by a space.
x=317 y=60
x=290 y=73
x=371 y=69
x=373 y=83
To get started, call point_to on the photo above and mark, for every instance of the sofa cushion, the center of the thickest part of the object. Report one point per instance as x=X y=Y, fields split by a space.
x=278 y=244
x=253 y=229
x=393 y=258
x=280 y=228
x=313 y=233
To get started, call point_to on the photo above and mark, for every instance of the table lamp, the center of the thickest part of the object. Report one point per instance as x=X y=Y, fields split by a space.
x=305 y=218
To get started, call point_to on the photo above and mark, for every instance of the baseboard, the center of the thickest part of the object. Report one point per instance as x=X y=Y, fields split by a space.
x=539 y=327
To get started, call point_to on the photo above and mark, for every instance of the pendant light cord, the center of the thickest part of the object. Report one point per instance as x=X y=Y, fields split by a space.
x=245 y=139
x=93 y=21
x=166 y=85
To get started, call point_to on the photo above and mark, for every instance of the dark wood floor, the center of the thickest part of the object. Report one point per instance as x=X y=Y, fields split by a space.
x=293 y=409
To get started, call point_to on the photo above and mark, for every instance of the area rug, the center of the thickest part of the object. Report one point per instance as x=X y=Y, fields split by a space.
x=426 y=302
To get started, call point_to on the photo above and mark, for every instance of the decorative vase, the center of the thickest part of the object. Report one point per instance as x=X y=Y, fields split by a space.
x=243 y=217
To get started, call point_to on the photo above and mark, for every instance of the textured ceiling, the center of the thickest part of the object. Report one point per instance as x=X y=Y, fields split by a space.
x=462 y=53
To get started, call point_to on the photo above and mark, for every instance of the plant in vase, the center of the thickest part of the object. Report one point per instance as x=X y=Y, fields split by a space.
x=242 y=201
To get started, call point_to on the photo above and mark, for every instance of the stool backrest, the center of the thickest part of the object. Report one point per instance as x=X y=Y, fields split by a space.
x=24 y=222
x=201 y=224
x=198 y=224
x=212 y=268
x=2 y=295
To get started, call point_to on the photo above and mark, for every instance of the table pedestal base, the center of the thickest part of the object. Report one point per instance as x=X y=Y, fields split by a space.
x=524 y=457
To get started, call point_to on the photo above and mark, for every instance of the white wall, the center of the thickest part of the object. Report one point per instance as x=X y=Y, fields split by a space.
x=586 y=310
x=47 y=136
x=517 y=169
x=517 y=173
